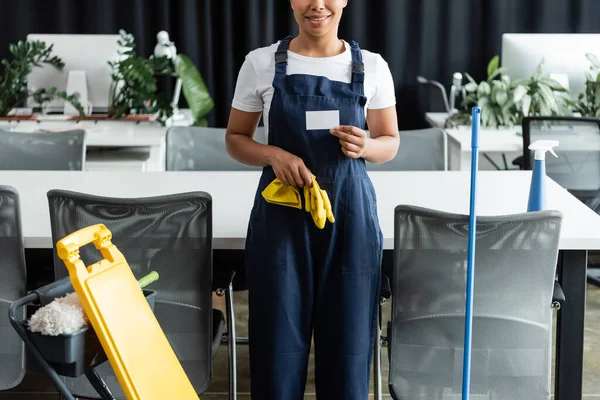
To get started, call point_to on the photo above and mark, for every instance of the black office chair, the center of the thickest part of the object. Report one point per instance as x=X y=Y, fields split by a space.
x=577 y=167
x=12 y=287
x=50 y=151
x=515 y=265
x=170 y=234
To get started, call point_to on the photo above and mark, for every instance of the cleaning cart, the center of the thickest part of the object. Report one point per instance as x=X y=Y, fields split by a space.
x=118 y=310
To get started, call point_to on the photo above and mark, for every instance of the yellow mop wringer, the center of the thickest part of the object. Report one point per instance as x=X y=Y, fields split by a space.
x=142 y=358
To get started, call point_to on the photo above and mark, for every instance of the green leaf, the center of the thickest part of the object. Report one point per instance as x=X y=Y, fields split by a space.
x=553 y=84
x=501 y=97
x=194 y=89
x=495 y=74
x=547 y=98
x=484 y=89
x=538 y=70
x=470 y=78
x=483 y=102
x=589 y=77
x=471 y=87
x=519 y=93
x=593 y=60
x=203 y=122
x=485 y=116
x=492 y=66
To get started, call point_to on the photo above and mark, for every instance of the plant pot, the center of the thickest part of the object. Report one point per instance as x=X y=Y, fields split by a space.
x=19 y=118
x=105 y=117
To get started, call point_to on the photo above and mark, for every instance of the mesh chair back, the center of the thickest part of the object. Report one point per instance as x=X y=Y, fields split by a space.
x=169 y=234
x=201 y=149
x=12 y=287
x=577 y=167
x=420 y=150
x=36 y=151
x=515 y=265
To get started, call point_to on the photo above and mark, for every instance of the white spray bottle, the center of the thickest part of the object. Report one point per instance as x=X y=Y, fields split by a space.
x=537 y=190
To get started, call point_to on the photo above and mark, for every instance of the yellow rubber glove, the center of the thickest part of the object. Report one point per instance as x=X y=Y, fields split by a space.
x=278 y=193
x=327 y=206
x=317 y=203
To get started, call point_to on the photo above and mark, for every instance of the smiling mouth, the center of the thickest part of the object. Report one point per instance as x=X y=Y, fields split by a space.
x=318 y=19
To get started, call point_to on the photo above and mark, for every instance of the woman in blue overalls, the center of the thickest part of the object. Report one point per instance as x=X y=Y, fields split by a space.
x=303 y=279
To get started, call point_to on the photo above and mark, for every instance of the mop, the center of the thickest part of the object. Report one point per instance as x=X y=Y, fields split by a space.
x=476 y=115
x=65 y=315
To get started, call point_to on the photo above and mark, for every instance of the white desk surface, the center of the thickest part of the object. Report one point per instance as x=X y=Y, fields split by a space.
x=490 y=140
x=101 y=133
x=503 y=139
x=510 y=140
x=436 y=119
x=499 y=192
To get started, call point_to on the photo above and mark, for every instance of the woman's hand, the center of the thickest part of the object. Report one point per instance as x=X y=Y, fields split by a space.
x=354 y=141
x=289 y=168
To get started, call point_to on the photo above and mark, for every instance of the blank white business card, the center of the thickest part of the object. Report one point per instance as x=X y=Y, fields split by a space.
x=322 y=119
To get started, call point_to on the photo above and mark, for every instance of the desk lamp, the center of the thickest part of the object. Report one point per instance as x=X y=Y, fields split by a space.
x=455 y=89
x=166 y=48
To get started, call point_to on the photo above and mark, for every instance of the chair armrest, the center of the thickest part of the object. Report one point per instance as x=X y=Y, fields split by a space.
x=386 y=289
x=558 y=296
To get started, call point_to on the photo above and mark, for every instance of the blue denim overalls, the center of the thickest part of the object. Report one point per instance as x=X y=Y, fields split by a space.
x=300 y=277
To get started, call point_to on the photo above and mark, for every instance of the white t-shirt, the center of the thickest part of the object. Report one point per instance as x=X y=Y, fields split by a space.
x=254 y=88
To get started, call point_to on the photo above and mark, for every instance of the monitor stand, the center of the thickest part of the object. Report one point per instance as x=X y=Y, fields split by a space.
x=77 y=83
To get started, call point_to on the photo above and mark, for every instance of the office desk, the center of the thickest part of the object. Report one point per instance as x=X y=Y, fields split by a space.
x=112 y=144
x=447 y=191
x=436 y=119
x=498 y=147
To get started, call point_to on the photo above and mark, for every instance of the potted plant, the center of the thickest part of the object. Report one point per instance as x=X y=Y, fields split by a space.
x=493 y=96
x=503 y=103
x=588 y=103
x=134 y=84
x=13 y=84
x=133 y=88
x=537 y=95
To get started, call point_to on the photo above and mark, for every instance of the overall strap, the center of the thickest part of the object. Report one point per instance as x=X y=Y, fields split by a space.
x=281 y=57
x=358 y=69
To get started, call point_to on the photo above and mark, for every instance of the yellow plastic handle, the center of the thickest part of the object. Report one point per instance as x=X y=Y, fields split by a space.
x=68 y=247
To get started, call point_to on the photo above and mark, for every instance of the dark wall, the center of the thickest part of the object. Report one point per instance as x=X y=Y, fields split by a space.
x=433 y=38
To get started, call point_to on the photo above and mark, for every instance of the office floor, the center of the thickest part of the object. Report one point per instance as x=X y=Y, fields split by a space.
x=37 y=387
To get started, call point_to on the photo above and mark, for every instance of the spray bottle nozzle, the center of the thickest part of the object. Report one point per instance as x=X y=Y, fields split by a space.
x=542 y=146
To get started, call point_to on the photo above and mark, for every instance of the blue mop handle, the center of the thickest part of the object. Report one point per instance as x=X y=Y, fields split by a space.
x=476 y=115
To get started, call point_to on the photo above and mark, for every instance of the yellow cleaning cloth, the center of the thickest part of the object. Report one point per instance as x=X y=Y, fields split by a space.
x=278 y=193
x=316 y=201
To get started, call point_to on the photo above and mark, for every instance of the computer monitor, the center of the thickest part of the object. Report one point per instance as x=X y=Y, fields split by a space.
x=562 y=54
x=89 y=53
